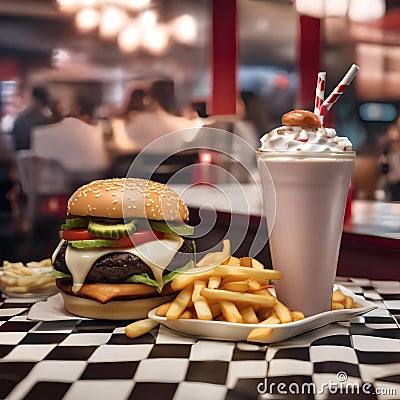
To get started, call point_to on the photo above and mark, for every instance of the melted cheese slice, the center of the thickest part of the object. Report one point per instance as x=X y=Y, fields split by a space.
x=156 y=255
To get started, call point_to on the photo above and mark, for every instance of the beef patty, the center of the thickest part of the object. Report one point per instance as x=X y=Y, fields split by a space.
x=116 y=267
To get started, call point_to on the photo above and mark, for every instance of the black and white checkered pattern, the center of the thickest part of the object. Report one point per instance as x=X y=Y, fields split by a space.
x=89 y=359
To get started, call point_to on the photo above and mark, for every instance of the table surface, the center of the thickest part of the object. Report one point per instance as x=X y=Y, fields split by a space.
x=368 y=217
x=87 y=359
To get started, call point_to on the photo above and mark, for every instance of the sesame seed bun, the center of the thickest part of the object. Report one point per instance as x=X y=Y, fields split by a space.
x=128 y=198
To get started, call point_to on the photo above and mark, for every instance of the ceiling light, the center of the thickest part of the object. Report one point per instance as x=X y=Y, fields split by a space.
x=313 y=8
x=337 y=8
x=112 y=21
x=184 y=29
x=156 y=40
x=136 y=4
x=322 y=8
x=69 y=5
x=90 y=3
x=87 y=19
x=147 y=20
x=366 y=10
x=129 y=38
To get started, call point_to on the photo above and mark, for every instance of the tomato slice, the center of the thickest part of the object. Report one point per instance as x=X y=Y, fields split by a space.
x=77 y=234
x=137 y=238
x=143 y=236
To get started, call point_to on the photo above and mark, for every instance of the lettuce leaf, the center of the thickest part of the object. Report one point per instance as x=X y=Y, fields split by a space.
x=144 y=278
x=71 y=223
x=170 y=227
x=59 y=274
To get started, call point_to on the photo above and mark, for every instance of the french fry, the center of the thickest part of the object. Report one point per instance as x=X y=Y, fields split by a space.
x=297 y=315
x=355 y=305
x=256 y=264
x=337 y=306
x=248 y=298
x=249 y=315
x=239 y=273
x=338 y=296
x=179 y=304
x=162 y=309
x=238 y=286
x=42 y=263
x=262 y=292
x=214 y=282
x=188 y=314
x=230 y=312
x=259 y=334
x=215 y=309
x=229 y=279
x=139 y=328
x=253 y=284
x=245 y=273
x=246 y=262
x=262 y=334
x=186 y=279
x=282 y=312
x=203 y=310
x=197 y=288
x=221 y=318
x=9 y=280
x=264 y=313
x=16 y=289
x=201 y=306
x=233 y=261
x=348 y=302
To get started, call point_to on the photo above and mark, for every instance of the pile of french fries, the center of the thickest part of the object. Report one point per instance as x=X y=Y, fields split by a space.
x=231 y=289
x=340 y=301
x=20 y=279
x=235 y=291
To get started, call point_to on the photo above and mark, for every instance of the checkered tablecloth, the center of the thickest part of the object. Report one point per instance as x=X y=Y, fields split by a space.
x=90 y=359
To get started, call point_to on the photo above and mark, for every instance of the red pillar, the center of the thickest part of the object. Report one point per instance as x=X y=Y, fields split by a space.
x=223 y=58
x=309 y=60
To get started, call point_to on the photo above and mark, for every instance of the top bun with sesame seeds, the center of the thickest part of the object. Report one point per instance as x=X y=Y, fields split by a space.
x=128 y=198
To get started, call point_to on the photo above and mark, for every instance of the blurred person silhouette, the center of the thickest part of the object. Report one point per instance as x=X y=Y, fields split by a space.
x=391 y=153
x=195 y=109
x=57 y=111
x=163 y=94
x=84 y=110
x=138 y=101
x=36 y=114
x=76 y=144
x=8 y=117
x=9 y=183
x=255 y=114
x=155 y=115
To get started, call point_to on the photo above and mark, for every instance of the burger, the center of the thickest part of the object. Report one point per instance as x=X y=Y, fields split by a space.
x=123 y=242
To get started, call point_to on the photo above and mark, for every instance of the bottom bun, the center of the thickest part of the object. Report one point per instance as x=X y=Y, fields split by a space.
x=117 y=310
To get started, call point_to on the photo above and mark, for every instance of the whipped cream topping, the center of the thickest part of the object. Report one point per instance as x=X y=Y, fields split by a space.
x=296 y=138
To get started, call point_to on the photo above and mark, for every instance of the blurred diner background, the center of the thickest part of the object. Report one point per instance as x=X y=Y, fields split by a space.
x=85 y=85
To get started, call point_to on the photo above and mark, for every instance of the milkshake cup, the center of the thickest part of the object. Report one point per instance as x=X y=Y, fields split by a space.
x=306 y=182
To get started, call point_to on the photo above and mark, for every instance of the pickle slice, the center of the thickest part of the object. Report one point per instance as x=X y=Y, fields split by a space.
x=115 y=231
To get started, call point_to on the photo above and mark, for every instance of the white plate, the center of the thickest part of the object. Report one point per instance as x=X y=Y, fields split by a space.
x=219 y=330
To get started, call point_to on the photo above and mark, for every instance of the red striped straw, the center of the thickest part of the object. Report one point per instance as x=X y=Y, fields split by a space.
x=338 y=91
x=319 y=92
